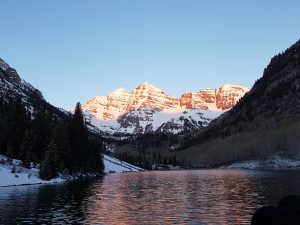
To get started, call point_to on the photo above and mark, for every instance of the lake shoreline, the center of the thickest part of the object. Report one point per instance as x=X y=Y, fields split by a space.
x=275 y=162
x=13 y=174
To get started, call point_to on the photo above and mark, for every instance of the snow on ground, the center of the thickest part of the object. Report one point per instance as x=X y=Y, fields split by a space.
x=24 y=176
x=274 y=162
x=113 y=165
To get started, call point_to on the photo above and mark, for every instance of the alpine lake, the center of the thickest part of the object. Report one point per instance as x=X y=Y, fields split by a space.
x=163 y=197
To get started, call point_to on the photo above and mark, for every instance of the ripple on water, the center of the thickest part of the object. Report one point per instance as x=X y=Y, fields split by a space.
x=182 y=197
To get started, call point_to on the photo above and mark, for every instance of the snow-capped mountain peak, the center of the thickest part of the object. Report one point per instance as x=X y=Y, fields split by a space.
x=148 y=96
x=119 y=92
x=147 y=87
x=147 y=108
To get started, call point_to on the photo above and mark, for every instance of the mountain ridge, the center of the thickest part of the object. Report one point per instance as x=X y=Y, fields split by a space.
x=12 y=86
x=264 y=123
x=138 y=111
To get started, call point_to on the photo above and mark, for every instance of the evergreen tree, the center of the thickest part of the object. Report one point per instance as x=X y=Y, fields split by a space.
x=62 y=141
x=27 y=149
x=79 y=140
x=49 y=167
x=96 y=150
x=60 y=144
x=3 y=127
x=41 y=126
x=18 y=121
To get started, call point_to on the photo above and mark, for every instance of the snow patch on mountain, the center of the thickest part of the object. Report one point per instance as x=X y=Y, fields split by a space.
x=274 y=162
x=113 y=165
x=149 y=109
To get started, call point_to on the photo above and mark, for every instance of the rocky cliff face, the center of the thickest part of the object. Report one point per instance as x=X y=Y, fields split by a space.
x=219 y=99
x=13 y=87
x=149 y=109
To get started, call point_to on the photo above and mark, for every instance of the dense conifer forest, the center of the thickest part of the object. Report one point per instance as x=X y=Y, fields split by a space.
x=58 y=144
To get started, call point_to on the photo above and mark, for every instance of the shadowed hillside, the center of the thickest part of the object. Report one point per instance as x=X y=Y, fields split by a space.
x=265 y=121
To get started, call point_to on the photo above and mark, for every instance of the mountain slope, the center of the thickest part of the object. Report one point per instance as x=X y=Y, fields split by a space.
x=148 y=109
x=266 y=121
x=13 y=87
x=113 y=165
x=35 y=132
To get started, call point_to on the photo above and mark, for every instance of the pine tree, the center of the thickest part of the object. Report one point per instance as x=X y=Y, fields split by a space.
x=18 y=121
x=60 y=144
x=96 y=158
x=3 y=127
x=27 y=149
x=41 y=126
x=49 y=167
x=79 y=140
x=62 y=141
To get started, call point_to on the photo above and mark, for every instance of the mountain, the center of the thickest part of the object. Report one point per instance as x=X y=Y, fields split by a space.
x=13 y=87
x=148 y=109
x=220 y=99
x=36 y=132
x=265 y=122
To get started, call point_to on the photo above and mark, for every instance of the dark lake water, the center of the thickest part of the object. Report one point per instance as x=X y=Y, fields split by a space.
x=181 y=197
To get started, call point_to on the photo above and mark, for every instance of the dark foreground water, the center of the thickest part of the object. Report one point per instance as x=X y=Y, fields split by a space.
x=183 y=197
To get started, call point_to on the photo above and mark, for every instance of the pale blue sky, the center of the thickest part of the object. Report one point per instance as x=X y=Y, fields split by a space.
x=74 y=50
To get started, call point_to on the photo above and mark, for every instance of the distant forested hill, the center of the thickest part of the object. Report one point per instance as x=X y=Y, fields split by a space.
x=264 y=122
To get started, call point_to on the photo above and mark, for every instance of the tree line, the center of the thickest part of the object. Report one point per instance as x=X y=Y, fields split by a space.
x=58 y=144
x=148 y=149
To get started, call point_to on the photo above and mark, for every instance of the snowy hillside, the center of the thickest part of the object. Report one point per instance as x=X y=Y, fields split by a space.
x=12 y=174
x=274 y=162
x=113 y=165
x=149 y=109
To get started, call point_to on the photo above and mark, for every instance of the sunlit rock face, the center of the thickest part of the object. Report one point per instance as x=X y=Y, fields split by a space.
x=220 y=99
x=148 y=109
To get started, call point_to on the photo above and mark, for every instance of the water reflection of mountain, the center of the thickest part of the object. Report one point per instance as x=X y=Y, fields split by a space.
x=182 y=197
